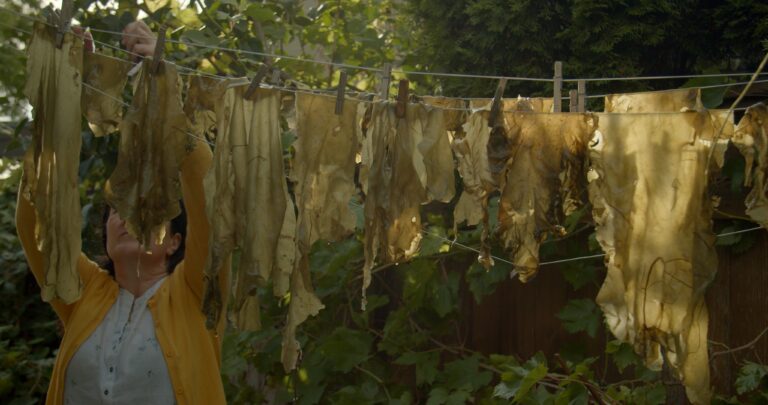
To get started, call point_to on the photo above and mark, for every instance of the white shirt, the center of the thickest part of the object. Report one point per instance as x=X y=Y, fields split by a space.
x=121 y=362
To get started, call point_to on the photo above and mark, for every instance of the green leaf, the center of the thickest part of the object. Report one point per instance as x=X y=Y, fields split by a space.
x=437 y=396
x=260 y=13
x=426 y=365
x=504 y=391
x=580 y=275
x=484 y=282
x=728 y=240
x=345 y=348
x=622 y=354
x=462 y=373
x=154 y=5
x=445 y=294
x=655 y=394
x=188 y=17
x=581 y=315
x=534 y=376
x=199 y=37
x=750 y=377
x=573 y=394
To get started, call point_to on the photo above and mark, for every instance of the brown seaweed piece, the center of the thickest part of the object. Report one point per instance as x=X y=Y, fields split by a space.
x=105 y=78
x=528 y=104
x=471 y=151
x=394 y=192
x=472 y=154
x=751 y=140
x=265 y=202
x=546 y=155
x=324 y=168
x=144 y=187
x=655 y=101
x=206 y=97
x=455 y=111
x=51 y=163
x=648 y=187
x=432 y=156
x=323 y=171
x=203 y=103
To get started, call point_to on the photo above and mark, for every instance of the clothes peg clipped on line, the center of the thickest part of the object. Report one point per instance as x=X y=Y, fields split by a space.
x=341 y=92
x=260 y=74
x=557 y=95
x=402 y=99
x=276 y=76
x=573 y=98
x=581 y=86
x=386 y=77
x=65 y=21
x=157 y=57
x=496 y=103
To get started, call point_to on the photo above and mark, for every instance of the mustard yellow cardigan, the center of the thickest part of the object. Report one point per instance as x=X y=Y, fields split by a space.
x=192 y=352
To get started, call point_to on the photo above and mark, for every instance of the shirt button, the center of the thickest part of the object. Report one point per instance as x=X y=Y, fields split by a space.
x=106 y=392
x=111 y=369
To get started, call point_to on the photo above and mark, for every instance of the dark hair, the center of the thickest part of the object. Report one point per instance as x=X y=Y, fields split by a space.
x=178 y=225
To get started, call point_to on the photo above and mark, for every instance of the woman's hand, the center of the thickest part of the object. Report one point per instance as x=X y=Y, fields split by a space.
x=139 y=39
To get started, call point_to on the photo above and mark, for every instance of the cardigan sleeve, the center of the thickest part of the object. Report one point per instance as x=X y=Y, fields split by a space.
x=193 y=170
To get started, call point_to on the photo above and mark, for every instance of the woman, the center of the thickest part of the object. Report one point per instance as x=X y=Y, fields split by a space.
x=139 y=338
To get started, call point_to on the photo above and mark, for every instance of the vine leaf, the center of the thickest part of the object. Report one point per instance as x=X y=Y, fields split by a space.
x=580 y=315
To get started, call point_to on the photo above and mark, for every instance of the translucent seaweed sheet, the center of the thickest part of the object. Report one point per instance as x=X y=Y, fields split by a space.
x=648 y=187
x=752 y=141
x=145 y=188
x=405 y=162
x=51 y=163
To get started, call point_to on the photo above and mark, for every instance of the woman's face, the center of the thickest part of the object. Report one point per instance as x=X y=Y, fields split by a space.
x=121 y=245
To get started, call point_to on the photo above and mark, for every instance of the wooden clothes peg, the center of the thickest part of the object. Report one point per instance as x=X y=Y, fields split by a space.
x=157 y=57
x=341 y=92
x=558 y=87
x=496 y=103
x=401 y=107
x=386 y=77
x=573 y=98
x=581 y=87
x=65 y=21
x=256 y=82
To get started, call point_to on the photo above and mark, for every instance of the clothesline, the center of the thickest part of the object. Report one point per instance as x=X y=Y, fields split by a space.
x=411 y=72
x=401 y=71
x=441 y=238
x=327 y=93
x=331 y=93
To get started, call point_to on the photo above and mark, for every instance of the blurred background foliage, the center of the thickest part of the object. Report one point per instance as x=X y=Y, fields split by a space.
x=407 y=347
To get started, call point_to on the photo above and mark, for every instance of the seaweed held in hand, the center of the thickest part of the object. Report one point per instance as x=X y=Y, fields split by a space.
x=144 y=187
x=51 y=163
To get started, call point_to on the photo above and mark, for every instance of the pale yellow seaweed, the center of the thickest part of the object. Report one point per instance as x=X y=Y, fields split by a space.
x=751 y=140
x=261 y=198
x=648 y=187
x=655 y=101
x=51 y=163
x=105 y=78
